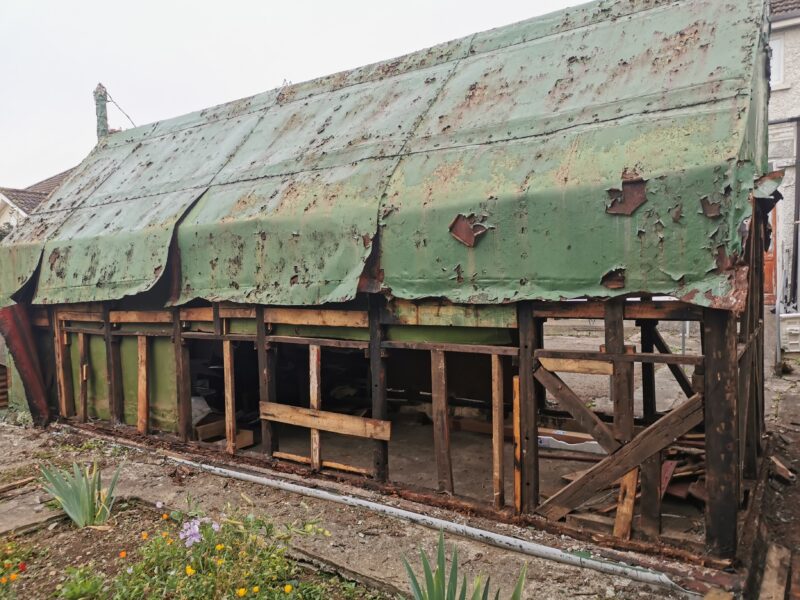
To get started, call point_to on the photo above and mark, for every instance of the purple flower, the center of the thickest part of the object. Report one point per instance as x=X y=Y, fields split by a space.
x=214 y=525
x=159 y=504
x=190 y=533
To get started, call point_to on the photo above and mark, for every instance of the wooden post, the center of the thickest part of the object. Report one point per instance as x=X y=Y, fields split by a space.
x=143 y=387
x=183 y=376
x=648 y=373
x=83 y=379
x=113 y=371
x=498 y=432
x=230 y=396
x=651 y=496
x=66 y=398
x=517 y=430
x=441 y=421
x=721 y=427
x=530 y=333
x=377 y=369
x=315 y=400
x=266 y=382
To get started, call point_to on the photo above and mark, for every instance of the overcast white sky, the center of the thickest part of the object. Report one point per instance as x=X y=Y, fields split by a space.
x=163 y=58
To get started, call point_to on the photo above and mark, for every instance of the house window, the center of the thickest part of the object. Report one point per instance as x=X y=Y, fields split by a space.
x=776 y=63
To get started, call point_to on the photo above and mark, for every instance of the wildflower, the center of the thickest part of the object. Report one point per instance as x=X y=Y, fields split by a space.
x=12 y=577
x=215 y=526
x=164 y=534
x=22 y=567
x=144 y=535
x=241 y=592
x=190 y=533
x=190 y=571
x=288 y=588
x=159 y=505
x=169 y=542
x=256 y=589
x=220 y=562
x=164 y=517
x=219 y=547
x=129 y=570
x=123 y=554
x=3 y=580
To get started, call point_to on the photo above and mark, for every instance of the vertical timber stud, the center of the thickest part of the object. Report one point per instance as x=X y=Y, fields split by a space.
x=648 y=372
x=498 y=432
x=517 y=445
x=184 y=382
x=441 y=421
x=377 y=369
x=528 y=409
x=722 y=446
x=66 y=398
x=266 y=382
x=315 y=400
x=143 y=386
x=113 y=370
x=83 y=379
x=230 y=396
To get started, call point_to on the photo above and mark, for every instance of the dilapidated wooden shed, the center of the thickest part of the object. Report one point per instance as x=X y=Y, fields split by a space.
x=326 y=256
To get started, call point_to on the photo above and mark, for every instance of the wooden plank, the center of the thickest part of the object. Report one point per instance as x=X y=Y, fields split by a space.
x=721 y=427
x=140 y=316
x=324 y=318
x=625 y=504
x=85 y=317
x=315 y=400
x=775 y=578
x=794 y=582
x=650 y=507
x=83 y=378
x=266 y=382
x=441 y=421
x=377 y=376
x=66 y=399
x=668 y=310
x=498 y=433
x=675 y=369
x=143 y=387
x=628 y=357
x=203 y=314
x=113 y=371
x=229 y=311
x=326 y=464
x=530 y=340
x=230 y=396
x=648 y=375
x=517 y=446
x=212 y=429
x=324 y=342
x=443 y=314
x=585 y=416
x=621 y=380
x=576 y=365
x=446 y=347
x=653 y=439
x=327 y=421
x=183 y=377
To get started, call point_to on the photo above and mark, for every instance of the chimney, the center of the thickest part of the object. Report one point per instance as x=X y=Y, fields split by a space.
x=100 y=100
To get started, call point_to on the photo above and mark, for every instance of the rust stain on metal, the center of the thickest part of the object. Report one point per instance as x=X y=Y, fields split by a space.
x=633 y=194
x=710 y=209
x=614 y=279
x=467 y=229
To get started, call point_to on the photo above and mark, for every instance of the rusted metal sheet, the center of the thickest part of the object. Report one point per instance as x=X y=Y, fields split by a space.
x=607 y=149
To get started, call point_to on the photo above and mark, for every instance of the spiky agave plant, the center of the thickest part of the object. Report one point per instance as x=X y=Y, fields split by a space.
x=81 y=493
x=439 y=586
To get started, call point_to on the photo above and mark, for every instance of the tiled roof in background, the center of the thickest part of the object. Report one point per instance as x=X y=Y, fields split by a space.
x=784 y=9
x=48 y=185
x=29 y=198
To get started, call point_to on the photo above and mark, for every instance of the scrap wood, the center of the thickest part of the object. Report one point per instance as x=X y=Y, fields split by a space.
x=698 y=490
x=626 y=503
x=667 y=469
x=776 y=573
x=679 y=489
x=794 y=581
x=781 y=471
x=16 y=484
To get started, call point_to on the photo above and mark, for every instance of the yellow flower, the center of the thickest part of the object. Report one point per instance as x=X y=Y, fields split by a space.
x=288 y=588
x=219 y=547
x=220 y=562
x=123 y=554
x=256 y=589
x=241 y=592
x=169 y=541
x=165 y=516
x=190 y=571
x=164 y=534
x=12 y=577
x=144 y=535
x=3 y=580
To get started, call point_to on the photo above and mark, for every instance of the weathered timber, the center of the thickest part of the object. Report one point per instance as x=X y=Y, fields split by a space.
x=230 y=396
x=203 y=314
x=650 y=506
x=66 y=398
x=377 y=376
x=576 y=365
x=81 y=316
x=140 y=316
x=143 y=386
x=517 y=429
x=83 y=378
x=775 y=578
x=498 y=432
x=266 y=381
x=643 y=309
x=324 y=342
x=113 y=371
x=585 y=416
x=326 y=318
x=326 y=464
x=668 y=359
x=721 y=428
x=441 y=421
x=653 y=439
x=648 y=374
x=443 y=314
x=447 y=347
x=674 y=368
x=183 y=377
x=343 y=424
x=529 y=341
x=315 y=400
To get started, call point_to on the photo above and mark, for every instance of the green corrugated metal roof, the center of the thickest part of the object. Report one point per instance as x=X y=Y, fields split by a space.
x=526 y=131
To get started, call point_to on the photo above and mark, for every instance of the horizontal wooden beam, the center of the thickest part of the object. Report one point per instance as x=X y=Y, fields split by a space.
x=666 y=310
x=324 y=318
x=577 y=365
x=326 y=421
x=87 y=317
x=325 y=342
x=643 y=357
x=445 y=347
x=140 y=316
x=326 y=464
x=655 y=438
x=205 y=313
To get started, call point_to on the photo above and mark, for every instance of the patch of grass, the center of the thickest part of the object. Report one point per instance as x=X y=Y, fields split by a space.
x=83 y=584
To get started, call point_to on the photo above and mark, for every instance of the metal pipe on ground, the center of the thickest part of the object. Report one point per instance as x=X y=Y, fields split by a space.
x=501 y=541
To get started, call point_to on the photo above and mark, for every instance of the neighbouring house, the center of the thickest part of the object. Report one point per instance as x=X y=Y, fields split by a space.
x=327 y=275
x=16 y=204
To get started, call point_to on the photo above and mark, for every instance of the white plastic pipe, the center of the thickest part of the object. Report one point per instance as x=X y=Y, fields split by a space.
x=501 y=541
